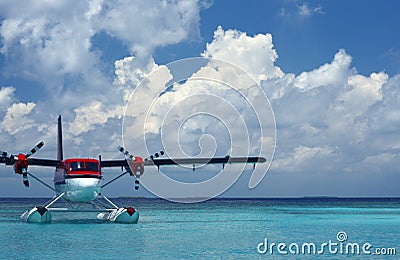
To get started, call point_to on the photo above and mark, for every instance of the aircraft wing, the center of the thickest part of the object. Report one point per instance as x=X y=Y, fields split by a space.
x=187 y=161
x=31 y=161
x=43 y=162
x=114 y=163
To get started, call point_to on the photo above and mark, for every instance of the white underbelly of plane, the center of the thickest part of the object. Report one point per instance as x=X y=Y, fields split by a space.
x=80 y=189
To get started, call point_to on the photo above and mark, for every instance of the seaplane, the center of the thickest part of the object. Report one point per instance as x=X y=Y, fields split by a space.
x=78 y=181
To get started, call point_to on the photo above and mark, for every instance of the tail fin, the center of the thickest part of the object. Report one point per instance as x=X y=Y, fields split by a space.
x=60 y=156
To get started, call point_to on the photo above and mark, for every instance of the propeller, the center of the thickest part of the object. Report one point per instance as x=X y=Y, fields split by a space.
x=20 y=161
x=139 y=169
x=24 y=169
x=130 y=157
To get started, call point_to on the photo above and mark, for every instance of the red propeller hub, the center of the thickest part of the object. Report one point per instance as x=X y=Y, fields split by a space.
x=21 y=157
x=139 y=159
x=136 y=165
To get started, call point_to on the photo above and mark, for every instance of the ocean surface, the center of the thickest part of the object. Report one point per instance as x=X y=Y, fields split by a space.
x=301 y=228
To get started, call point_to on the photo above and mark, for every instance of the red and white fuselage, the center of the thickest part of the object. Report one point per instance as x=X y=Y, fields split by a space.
x=79 y=178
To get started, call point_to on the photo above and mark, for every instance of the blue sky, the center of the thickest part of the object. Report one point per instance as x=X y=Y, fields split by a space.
x=330 y=70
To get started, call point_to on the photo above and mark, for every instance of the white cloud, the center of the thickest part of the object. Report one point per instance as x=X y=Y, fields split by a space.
x=196 y=94
x=254 y=54
x=305 y=10
x=334 y=106
x=6 y=96
x=47 y=41
x=347 y=113
x=303 y=158
x=165 y=22
x=329 y=74
x=129 y=73
x=362 y=93
x=15 y=119
x=14 y=114
x=87 y=117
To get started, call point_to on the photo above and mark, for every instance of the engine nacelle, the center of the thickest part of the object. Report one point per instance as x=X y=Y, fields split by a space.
x=136 y=169
x=137 y=166
x=21 y=165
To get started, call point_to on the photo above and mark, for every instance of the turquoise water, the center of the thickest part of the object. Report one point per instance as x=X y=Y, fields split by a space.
x=216 y=229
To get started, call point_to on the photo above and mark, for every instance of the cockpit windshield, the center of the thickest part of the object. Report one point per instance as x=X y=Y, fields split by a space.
x=83 y=166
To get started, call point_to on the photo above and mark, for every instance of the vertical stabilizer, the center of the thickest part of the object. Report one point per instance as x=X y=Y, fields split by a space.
x=60 y=156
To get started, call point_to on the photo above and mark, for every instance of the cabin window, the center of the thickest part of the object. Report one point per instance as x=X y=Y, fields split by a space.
x=92 y=166
x=83 y=166
x=76 y=166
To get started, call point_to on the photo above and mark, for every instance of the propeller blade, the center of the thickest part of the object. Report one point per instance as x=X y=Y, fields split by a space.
x=5 y=154
x=126 y=153
x=25 y=179
x=34 y=149
x=7 y=158
x=156 y=155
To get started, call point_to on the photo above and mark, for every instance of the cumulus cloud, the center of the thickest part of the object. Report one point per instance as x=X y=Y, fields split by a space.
x=330 y=74
x=16 y=114
x=255 y=54
x=330 y=119
x=166 y=22
x=129 y=73
x=55 y=39
x=331 y=107
x=87 y=117
x=6 y=96
x=52 y=43
x=48 y=41
x=351 y=105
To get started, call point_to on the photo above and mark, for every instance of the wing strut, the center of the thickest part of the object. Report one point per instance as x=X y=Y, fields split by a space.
x=116 y=178
x=42 y=182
